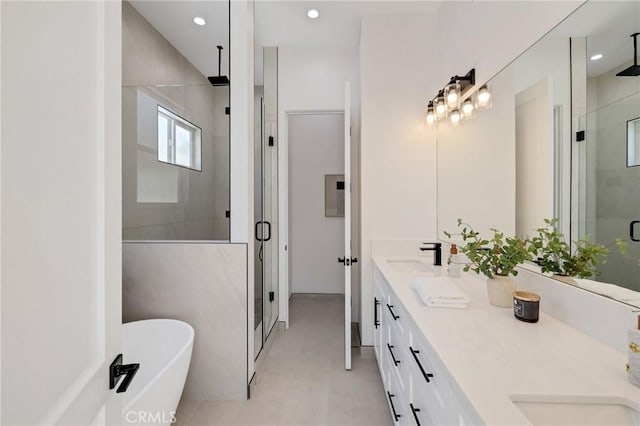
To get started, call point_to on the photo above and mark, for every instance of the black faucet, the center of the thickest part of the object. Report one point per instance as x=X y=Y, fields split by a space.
x=437 y=248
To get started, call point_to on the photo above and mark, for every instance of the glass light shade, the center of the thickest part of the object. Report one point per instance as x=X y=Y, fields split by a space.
x=455 y=117
x=431 y=118
x=484 y=97
x=452 y=95
x=441 y=107
x=467 y=108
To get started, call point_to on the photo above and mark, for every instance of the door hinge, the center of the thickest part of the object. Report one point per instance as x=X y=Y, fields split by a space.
x=227 y=213
x=271 y=141
x=580 y=136
x=227 y=110
x=272 y=296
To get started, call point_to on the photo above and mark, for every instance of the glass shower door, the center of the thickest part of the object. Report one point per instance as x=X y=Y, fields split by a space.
x=610 y=187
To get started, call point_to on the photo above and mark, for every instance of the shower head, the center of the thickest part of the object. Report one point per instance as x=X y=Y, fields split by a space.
x=633 y=70
x=219 y=80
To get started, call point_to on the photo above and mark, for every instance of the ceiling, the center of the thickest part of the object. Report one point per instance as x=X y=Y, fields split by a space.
x=277 y=23
x=606 y=24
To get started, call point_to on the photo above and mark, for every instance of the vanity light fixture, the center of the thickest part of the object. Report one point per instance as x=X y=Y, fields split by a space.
x=449 y=98
x=596 y=57
x=199 y=21
x=313 y=13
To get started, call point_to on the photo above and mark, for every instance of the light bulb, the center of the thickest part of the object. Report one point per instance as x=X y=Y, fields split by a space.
x=441 y=108
x=467 y=107
x=596 y=57
x=431 y=118
x=483 y=96
x=313 y=13
x=199 y=21
x=455 y=117
x=452 y=93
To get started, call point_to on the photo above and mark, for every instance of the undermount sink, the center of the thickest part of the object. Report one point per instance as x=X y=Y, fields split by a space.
x=584 y=411
x=410 y=265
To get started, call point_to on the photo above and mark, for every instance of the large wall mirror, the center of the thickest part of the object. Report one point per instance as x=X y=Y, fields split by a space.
x=523 y=160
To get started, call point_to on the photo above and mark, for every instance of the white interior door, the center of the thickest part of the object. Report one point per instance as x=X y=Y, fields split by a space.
x=60 y=211
x=347 y=226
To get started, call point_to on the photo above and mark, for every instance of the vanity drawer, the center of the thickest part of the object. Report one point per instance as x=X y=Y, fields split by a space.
x=396 y=397
x=430 y=387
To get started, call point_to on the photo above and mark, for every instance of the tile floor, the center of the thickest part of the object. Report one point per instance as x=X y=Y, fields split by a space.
x=302 y=380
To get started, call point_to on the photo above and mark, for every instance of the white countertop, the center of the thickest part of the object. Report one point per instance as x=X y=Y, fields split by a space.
x=492 y=356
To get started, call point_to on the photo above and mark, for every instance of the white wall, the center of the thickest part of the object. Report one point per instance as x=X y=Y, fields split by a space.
x=398 y=153
x=312 y=79
x=316 y=149
x=242 y=146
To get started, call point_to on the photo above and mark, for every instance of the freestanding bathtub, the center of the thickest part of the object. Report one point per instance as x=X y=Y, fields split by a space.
x=163 y=348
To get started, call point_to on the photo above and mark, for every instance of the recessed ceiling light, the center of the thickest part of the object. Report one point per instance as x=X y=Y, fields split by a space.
x=199 y=21
x=596 y=57
x=313 y=13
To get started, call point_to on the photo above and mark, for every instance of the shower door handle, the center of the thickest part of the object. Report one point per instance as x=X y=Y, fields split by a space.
x=261 y=238
x=631 y=230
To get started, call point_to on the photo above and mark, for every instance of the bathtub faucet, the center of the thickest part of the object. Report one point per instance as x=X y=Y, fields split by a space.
x=437 y=248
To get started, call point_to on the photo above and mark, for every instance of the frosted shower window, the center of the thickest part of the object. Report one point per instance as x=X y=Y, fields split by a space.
x=179 y=141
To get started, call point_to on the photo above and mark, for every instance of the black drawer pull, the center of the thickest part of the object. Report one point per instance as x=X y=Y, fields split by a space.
x=426 y=375
x=415 y=412
x=395 y=361
x=395 y=317
x=396 y=416
x=376 y=302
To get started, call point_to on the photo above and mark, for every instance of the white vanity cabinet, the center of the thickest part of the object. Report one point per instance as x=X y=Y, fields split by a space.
x=419 y=389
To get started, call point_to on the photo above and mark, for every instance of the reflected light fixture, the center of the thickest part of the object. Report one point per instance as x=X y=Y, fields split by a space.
x=313 y=13
x=431 y=115
x=199 y=21
x=596 y=57
x=484 y=96
x=467 y=108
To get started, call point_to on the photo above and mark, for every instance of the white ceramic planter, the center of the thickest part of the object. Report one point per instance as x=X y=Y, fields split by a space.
x=500 y=291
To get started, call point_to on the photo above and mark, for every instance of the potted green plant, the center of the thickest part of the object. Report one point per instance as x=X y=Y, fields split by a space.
x=496 y=258
x=555 y=255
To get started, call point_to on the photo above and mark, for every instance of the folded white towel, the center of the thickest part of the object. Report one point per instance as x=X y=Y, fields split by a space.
x=440 y=292
x=447 y=305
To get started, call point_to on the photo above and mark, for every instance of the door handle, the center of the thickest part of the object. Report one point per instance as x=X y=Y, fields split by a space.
x=345 y=260
x=117 y=369
x=376 y=302
x=631 y=230
x=261 y=238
